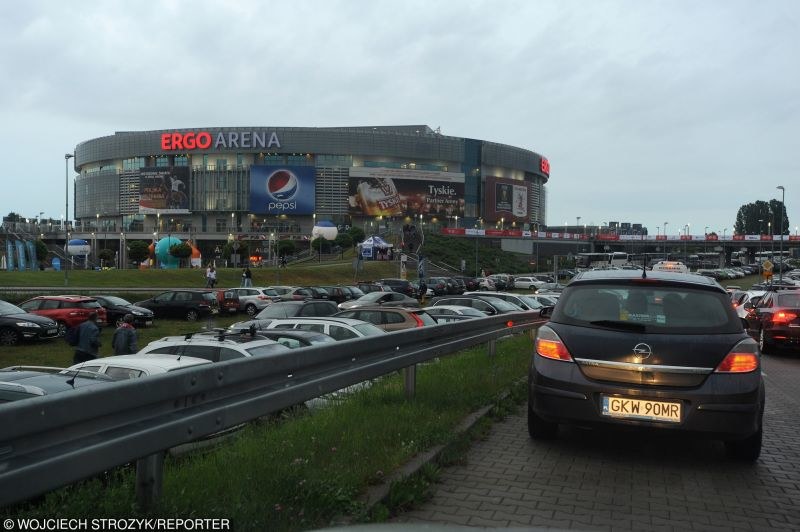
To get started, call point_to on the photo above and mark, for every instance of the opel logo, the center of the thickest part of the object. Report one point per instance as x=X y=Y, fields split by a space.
x=642 y=351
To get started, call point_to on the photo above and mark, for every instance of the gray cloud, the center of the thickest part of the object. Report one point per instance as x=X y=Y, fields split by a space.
x=648 y=111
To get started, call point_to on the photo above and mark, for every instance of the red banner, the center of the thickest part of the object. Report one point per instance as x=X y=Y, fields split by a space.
x=453 y=231
x=607 y=236
x=766 y=237
x=794 y=238
x=661 y=237
x=738 y=237
x=712 y=238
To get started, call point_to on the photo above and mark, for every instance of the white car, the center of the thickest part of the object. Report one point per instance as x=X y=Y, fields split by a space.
x=336 y=328
x=746 y=297
x=135 y=366
x=523 y=301
x=255 y=298
x=528 y=283
x=216 y=348
x=386 y=299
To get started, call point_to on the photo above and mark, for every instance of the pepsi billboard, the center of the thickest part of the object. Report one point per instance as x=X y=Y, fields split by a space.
x=282 y=189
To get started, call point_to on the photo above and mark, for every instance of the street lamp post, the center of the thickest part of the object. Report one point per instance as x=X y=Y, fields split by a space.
x=705 y=239
x=686 y=243
x=780 y=230
x=771 y=240
x=67 y=157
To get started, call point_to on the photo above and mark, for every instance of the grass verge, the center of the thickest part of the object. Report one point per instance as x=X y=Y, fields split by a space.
x=307 y=471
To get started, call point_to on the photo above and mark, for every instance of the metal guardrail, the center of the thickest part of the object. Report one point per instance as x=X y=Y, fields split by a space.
x=51 y=441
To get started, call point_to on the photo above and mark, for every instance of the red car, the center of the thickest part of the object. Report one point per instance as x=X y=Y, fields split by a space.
x=67 y=311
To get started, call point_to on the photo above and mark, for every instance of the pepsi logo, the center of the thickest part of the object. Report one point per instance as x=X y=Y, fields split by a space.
x=282 y=185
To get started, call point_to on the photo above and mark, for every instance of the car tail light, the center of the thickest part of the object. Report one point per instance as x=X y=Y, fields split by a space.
x=549 y=345
x=783 y=318
x=419 y=321
x=743 y=358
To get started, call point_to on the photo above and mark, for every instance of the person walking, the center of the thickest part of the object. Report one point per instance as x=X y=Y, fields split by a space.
x=211 y=276
x=423 y=291
x=125 y=339
x=247 y=277
x=88 y=340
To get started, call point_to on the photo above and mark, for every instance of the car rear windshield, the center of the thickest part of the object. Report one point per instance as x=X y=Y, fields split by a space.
x=270 y=349
x=655 y=308
x=789 y=300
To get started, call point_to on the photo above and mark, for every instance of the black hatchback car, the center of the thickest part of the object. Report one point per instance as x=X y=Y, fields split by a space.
x=775 y=320
x=648 y=349
x=116 y=308
x=187 y=304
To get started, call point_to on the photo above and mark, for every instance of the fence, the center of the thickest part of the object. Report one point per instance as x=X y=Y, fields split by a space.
x=55 y=440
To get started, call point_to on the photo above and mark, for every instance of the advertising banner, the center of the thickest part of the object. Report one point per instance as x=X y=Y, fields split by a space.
x=164 y=190
x=280 y=189
x=401 y=192
x=506 y=199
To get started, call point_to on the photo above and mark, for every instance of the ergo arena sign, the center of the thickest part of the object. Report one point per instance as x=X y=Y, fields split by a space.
x=203 y=140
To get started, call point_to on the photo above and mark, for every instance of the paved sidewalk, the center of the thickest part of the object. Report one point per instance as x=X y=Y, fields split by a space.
x=593 y=480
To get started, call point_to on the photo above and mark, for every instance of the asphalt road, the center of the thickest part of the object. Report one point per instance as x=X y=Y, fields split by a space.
x=596 y=480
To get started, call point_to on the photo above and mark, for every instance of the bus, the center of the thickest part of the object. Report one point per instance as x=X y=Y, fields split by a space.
x=774 y=256
x=601 y=260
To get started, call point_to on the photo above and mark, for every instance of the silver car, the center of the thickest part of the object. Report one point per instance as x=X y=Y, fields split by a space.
x=254 y=299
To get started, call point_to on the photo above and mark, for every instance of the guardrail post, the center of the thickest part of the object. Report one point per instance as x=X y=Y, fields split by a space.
x=410 y=380
x=149 y=480
x=491 y=347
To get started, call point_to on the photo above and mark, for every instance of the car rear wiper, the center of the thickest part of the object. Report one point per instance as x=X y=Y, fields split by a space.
x=616 y=324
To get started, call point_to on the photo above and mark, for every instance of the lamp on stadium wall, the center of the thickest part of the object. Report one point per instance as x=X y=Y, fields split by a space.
x=780 y=229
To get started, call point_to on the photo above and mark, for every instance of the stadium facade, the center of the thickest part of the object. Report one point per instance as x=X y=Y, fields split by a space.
x=209 y=183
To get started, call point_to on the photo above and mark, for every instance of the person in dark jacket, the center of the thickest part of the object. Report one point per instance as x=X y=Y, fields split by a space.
x=88 y=340
x=125 y=337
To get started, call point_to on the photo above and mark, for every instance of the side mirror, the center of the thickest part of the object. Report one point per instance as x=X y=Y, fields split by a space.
x=546 y=313
x=748 y=305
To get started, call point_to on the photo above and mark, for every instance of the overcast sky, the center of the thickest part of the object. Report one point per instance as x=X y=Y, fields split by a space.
x=677 y=111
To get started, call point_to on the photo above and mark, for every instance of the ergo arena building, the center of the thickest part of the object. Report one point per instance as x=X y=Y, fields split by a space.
x=213 y=184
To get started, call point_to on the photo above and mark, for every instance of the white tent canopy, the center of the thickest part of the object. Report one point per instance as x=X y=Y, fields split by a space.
x=370 y=246
x=375 y=242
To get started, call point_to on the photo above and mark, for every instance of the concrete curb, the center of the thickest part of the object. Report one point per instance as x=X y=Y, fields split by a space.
x=379 y=493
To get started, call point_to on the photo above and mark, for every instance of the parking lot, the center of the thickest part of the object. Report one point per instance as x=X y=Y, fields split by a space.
x=592 y=480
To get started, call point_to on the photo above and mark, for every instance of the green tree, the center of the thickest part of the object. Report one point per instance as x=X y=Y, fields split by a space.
x=106 y=257
x=41 y=250
x=357 y=234
x=180 y=251
x=322 y=245
x=138 y=251
x=344 y=240
x=286 y=247
x=762 y=217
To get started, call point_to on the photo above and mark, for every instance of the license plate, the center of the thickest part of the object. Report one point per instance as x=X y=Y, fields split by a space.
x=52 y=331
x=627 y=408
x=214 y=311
x=148 y=322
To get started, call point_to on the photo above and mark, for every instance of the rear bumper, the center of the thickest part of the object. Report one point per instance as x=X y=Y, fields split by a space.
x=727 y=407
x=787 y=336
